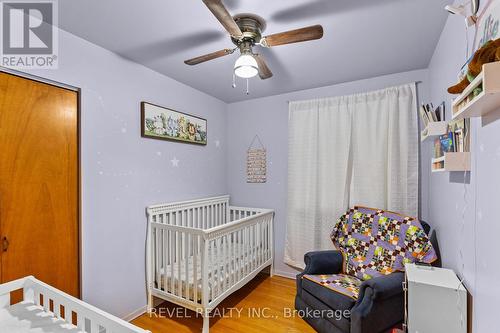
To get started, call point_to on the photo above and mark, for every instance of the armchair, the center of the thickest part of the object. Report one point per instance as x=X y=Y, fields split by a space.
x=379 y=305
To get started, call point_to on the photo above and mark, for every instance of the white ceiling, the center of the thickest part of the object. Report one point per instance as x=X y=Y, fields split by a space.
x=362 y=39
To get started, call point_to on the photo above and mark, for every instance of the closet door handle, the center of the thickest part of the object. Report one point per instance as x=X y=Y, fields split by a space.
x=5 y=244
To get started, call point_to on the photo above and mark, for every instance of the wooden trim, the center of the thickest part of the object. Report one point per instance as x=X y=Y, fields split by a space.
x=38 y=79
x=80 y=186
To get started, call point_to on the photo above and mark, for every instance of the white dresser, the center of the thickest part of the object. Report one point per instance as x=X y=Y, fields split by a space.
x=436 y=301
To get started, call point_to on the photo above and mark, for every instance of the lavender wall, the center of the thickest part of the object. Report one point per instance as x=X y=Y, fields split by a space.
x=268 y=117
x=122 y=173
x=464 y=213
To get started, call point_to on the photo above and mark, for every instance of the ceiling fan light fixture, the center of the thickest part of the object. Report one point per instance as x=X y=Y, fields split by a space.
x=246 y=66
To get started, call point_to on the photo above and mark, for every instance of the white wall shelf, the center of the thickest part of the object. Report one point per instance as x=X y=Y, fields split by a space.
x=459 y=161
x=465 y=106
x=433 y=129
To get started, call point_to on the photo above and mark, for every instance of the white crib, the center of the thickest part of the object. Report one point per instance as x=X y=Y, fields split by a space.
x=49 y=310
x=201 y=251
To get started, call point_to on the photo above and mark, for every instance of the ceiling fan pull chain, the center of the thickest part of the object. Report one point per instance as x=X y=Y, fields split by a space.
x=248 y=84
x=234 y=80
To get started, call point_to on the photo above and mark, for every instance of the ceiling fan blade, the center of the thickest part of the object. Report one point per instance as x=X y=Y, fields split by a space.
x=220 y=12
x=264 y=71
x=207 y=57
x=293 y=36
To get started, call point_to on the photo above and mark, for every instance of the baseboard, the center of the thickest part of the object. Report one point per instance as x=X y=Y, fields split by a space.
x=287 y=275
x=135 y=314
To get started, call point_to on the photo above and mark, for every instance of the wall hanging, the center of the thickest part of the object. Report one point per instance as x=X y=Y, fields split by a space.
x=256 y=162
x=158 y=122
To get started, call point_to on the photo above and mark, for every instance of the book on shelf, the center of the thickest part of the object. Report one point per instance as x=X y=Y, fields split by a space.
x=447 y=142
x=430 y=114
x=456 y=140
x=424 y=116
x=438 y=151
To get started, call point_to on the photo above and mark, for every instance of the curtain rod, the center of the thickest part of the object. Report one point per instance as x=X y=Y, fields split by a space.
x=416 y=82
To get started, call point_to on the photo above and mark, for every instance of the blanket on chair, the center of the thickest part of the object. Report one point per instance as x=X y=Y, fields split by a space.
x=373 y=243
x=377 y=242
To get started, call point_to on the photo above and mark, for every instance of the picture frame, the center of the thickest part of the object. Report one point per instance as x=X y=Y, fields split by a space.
x=487 y=25
x=161 y=123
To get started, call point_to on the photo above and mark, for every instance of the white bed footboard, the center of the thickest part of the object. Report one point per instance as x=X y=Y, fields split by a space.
x=53 y=310
x=199 y=252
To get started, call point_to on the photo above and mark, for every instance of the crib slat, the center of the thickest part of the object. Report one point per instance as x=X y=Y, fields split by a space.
x=57 y=309
x=95 y=326
x=261 y=244
x=195 y=268
x=198 y=218
x=212 y=216
x=213 y=268
x=205 y=265
x=264 y=240
x=240 y=253
x=165 y=260
x=216 y=215
x=80 y=320
x=237 y=251
x=172 y=262
x=249 y=233
x=269 y=238
x=186 y=258
x=225 y=274
x=233 y=258
x=245 y=251
x=67 y=314
x=219 y=267
x=178 y=254
x=252 y=248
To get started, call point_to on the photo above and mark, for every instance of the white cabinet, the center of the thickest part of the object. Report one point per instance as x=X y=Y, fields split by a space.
x=436 y=301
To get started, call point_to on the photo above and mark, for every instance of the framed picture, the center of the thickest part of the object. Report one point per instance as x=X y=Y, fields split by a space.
x=487 y=25
x=158 y=122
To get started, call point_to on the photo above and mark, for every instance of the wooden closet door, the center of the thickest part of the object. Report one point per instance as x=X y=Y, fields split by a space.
x=39 y=186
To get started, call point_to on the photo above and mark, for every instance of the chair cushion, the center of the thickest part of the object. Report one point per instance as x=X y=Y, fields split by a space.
x=339 y=292
x=376 y=242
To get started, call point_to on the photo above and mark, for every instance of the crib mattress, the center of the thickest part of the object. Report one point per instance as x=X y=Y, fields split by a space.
x=25 y=317
x=220 y=273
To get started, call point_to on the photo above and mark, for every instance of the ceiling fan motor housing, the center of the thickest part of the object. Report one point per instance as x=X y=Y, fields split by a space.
x=251 y=26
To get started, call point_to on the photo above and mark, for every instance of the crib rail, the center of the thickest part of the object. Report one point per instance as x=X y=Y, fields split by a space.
x=62 y=306
x=238 y=250
x=238 y=213
x=197 y=265
x=201 y=213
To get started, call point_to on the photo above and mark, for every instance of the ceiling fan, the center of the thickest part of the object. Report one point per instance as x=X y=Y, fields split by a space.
x=246 y=32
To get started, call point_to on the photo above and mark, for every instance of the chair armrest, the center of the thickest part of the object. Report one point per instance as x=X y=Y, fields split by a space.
x=323 y=262
x=380 y=304
x=384 y=287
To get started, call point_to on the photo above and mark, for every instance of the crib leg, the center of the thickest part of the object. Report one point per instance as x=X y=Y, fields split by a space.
x=206 y=323
x=150 y=302
x=271 y=270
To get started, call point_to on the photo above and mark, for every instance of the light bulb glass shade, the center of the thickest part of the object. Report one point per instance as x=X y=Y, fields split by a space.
x=246 y=66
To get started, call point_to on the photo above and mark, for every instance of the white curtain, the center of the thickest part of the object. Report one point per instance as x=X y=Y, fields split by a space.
x=353 y=150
